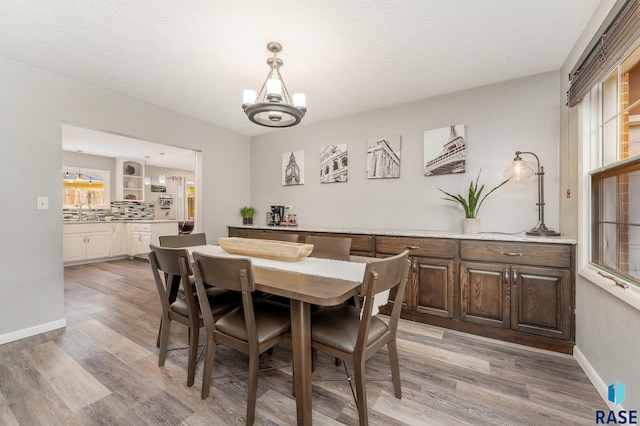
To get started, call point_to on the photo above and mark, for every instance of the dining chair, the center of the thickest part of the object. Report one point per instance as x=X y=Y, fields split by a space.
x=252 y=329
x=178 y=241
x=280 y=236
x=166 y=264
x=329 y=246
x=183 y=240
x=353 y=335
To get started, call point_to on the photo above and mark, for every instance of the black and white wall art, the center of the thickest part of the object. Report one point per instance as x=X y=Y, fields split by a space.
x=383 y=157
x=334 y=164
x=445 y=151
x=293 y=168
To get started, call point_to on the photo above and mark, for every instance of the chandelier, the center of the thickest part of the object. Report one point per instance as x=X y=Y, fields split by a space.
x=273 y=106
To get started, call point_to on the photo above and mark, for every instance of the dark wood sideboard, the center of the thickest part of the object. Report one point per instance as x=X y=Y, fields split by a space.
x=516 y=291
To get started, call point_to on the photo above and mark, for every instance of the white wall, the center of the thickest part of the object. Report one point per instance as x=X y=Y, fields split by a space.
x=33 y=105
x=606 y=327
x=500 y=119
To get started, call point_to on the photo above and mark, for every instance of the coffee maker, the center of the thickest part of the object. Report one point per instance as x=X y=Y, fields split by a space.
x=276 y=216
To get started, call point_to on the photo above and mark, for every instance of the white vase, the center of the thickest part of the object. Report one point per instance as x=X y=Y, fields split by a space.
x=471 y=226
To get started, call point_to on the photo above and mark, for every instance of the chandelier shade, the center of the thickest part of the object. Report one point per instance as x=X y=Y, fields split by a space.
x=273 y=106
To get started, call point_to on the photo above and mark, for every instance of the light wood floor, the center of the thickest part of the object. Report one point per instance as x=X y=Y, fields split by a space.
x=102 y=369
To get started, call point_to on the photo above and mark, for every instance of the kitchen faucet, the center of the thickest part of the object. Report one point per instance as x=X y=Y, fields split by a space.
x=80 y=210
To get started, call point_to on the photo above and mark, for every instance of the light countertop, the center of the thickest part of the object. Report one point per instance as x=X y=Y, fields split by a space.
x=488 y=236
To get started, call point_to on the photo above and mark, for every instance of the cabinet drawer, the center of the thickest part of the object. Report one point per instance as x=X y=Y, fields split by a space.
x=430 y=247
x=145 y=227
x=555 y=255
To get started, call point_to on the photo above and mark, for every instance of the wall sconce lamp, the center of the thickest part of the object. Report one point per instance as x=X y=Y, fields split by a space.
x=520 y=170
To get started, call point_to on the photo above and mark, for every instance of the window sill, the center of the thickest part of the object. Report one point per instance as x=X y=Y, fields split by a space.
x=630 y=296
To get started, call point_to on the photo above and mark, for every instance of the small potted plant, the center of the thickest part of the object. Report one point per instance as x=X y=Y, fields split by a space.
x=108 y=214
x=471 y=204
x=247 y=213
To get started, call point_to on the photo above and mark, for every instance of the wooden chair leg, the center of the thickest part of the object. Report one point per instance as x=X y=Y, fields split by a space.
x=193 y=355
x=254 y=363
x=164 y=340
x=392 y=349
x=314 y=359
x=209 y=359
x=159 y=332
x=361 y=392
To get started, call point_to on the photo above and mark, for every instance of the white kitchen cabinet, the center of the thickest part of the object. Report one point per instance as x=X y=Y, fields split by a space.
x=85 y=241
x=144 y=233
x=118 y=239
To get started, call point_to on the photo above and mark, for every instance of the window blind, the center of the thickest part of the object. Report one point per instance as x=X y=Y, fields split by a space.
x=619 y=31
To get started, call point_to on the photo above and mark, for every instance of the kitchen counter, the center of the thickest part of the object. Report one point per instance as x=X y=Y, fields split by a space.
x=71 y=222
x=489 y=236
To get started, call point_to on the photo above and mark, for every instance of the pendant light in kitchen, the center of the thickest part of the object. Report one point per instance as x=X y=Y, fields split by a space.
x=162 y=179
x=147 y=178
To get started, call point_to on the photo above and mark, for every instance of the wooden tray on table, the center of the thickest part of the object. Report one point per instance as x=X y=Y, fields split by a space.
x=267 y=249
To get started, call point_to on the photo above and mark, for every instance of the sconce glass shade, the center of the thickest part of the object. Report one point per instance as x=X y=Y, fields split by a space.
x=519 y=170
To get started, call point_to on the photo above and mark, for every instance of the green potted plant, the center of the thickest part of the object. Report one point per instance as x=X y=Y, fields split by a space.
x=247 y=213
x=471 y=204
x=108 y=214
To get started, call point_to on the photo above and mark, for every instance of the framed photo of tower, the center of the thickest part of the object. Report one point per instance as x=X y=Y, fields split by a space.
x=383 y=157
x=293 y=168
x=334 y=164
x=445 y=151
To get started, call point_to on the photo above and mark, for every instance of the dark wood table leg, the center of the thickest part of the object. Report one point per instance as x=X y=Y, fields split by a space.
x=301 y=339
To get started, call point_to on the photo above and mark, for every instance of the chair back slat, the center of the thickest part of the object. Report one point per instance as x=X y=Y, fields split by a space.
x=183 y=240
x=223 y=271
x=280 y=236
x=168 y=258
x=340 y=246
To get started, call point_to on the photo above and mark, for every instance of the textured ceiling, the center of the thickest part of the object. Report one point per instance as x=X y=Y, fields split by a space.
x=196 y=57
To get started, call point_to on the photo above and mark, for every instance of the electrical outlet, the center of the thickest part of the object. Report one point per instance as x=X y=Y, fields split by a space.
x=42 y=203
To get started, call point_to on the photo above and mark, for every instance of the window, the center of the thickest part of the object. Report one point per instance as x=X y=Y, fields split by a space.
x=90 y=186
x=615 y=171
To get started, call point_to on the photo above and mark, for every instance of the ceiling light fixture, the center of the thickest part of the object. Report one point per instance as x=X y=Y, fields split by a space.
x=273 y=106
x=162 y=179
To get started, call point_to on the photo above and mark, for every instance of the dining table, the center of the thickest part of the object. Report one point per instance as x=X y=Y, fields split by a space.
x=321 y=281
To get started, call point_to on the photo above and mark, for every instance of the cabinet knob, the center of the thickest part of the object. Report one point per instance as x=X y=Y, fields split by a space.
x=509 y=253
x=515 y=277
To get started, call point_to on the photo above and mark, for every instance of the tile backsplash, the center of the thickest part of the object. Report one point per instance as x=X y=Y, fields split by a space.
x=122 y=210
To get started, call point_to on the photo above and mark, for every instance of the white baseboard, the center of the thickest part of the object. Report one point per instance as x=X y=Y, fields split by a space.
x=595 y=379
x=32 y=331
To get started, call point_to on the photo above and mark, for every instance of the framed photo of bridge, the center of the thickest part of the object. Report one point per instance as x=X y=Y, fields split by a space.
x=383 y=157
x=445 y=151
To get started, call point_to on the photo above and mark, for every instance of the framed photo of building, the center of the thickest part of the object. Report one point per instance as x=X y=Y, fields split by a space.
x=334 y=164
x=293 y=168
x=383 y=157
x=445 y=151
